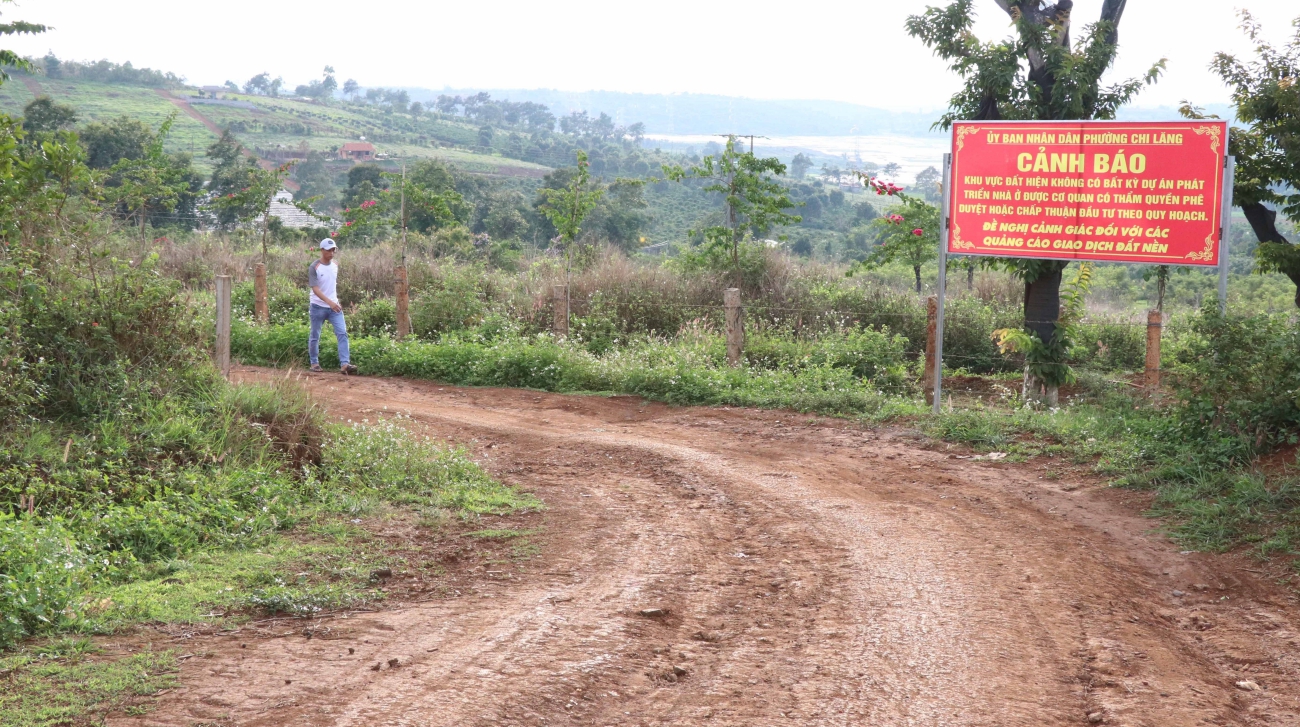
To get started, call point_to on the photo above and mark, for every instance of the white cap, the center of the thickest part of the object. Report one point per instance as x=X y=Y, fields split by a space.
x=327 y=244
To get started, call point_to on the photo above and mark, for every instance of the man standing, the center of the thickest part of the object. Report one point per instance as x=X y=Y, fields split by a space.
x=322 y=278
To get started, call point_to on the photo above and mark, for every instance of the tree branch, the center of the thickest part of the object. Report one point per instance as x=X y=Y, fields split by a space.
x=1263 y=221
x=1111 y=12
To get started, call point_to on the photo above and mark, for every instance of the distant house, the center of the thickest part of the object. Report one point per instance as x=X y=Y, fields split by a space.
x=214 y=91
x=360 y=151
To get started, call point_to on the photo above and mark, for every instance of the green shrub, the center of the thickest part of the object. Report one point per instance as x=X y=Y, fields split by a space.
x=601 y=329
x=286 y=301
x=376 y=317
x=453 y=307
x=386 y=460
x=1110 y=346
x=452 y=297
x=878 y=356
x=1239 y=376
x=678 y=372
x=42 y=573
x=968 y=341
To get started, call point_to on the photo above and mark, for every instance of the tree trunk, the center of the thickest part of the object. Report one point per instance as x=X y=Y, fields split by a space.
x=1263 y=221
x=917 y=269
x=1042 y=310
x=970 y=277
x=1162 y=277
x=1043 y=302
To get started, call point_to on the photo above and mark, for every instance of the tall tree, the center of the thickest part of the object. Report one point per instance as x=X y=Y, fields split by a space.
x=566 y=208
x=322 y=90
x=121 y=138
x=251 y=202
x=1266 y=91
x=233 y=172
x=258 y=84
x=927 y=184
x=1040 y=74
x=800 y=165
x=435 y=203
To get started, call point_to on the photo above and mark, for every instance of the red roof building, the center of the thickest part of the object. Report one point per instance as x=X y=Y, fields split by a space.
x=361 y=151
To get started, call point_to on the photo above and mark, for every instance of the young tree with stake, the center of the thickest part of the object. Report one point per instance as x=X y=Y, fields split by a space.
x=753 y=201
x=566 y=208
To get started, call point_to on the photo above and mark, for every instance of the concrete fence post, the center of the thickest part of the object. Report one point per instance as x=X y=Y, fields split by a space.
x=931 y=332
x=1155 y=322
x=560 y=300
x=222 y=354
x=403 y=294
x=735 y=325
x=260 y=307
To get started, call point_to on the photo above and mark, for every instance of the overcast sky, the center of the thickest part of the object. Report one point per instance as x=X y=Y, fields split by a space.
x=840 y=50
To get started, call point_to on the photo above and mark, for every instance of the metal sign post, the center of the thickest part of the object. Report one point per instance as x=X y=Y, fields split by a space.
x=1229 y=177
x=943 y=280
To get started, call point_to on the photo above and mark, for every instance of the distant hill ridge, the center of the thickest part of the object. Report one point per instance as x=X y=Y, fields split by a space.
x=693 y=113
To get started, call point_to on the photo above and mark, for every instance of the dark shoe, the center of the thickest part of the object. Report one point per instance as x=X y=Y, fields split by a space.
x=348 y=370
x=316 y=368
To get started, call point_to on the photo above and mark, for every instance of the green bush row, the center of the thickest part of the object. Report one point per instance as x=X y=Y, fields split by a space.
x=859 y=372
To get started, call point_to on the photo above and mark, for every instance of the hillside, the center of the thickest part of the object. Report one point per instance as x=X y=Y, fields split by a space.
x=273 y=123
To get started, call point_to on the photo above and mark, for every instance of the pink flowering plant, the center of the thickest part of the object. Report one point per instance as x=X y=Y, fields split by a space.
x=359 y=220
x=909 y=234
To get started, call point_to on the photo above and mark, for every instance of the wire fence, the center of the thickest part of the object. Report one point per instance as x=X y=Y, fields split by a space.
x=1107 y=345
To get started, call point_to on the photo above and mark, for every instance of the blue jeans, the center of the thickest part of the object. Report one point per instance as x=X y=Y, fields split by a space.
x=320 y=314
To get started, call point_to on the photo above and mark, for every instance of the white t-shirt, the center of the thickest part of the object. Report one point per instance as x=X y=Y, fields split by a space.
x=325 y=277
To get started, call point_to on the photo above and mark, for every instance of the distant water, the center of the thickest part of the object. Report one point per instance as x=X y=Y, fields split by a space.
x=912 y=153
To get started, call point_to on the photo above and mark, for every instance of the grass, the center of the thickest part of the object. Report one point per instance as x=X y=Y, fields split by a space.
x=70 y=682
x=500 y=534
x=290 y=572
x=103 y=102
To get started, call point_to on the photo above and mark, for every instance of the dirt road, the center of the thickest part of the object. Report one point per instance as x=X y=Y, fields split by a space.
x=810 y=573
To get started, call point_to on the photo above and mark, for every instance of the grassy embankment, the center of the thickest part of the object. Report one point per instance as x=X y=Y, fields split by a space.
x=140 y=488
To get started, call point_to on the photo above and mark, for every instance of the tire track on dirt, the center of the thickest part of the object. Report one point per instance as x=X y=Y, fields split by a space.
x=811 y=574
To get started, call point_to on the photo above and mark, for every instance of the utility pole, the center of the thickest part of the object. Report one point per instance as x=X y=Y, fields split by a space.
x=402 y=212
x=401 y=289
x=751 y=138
